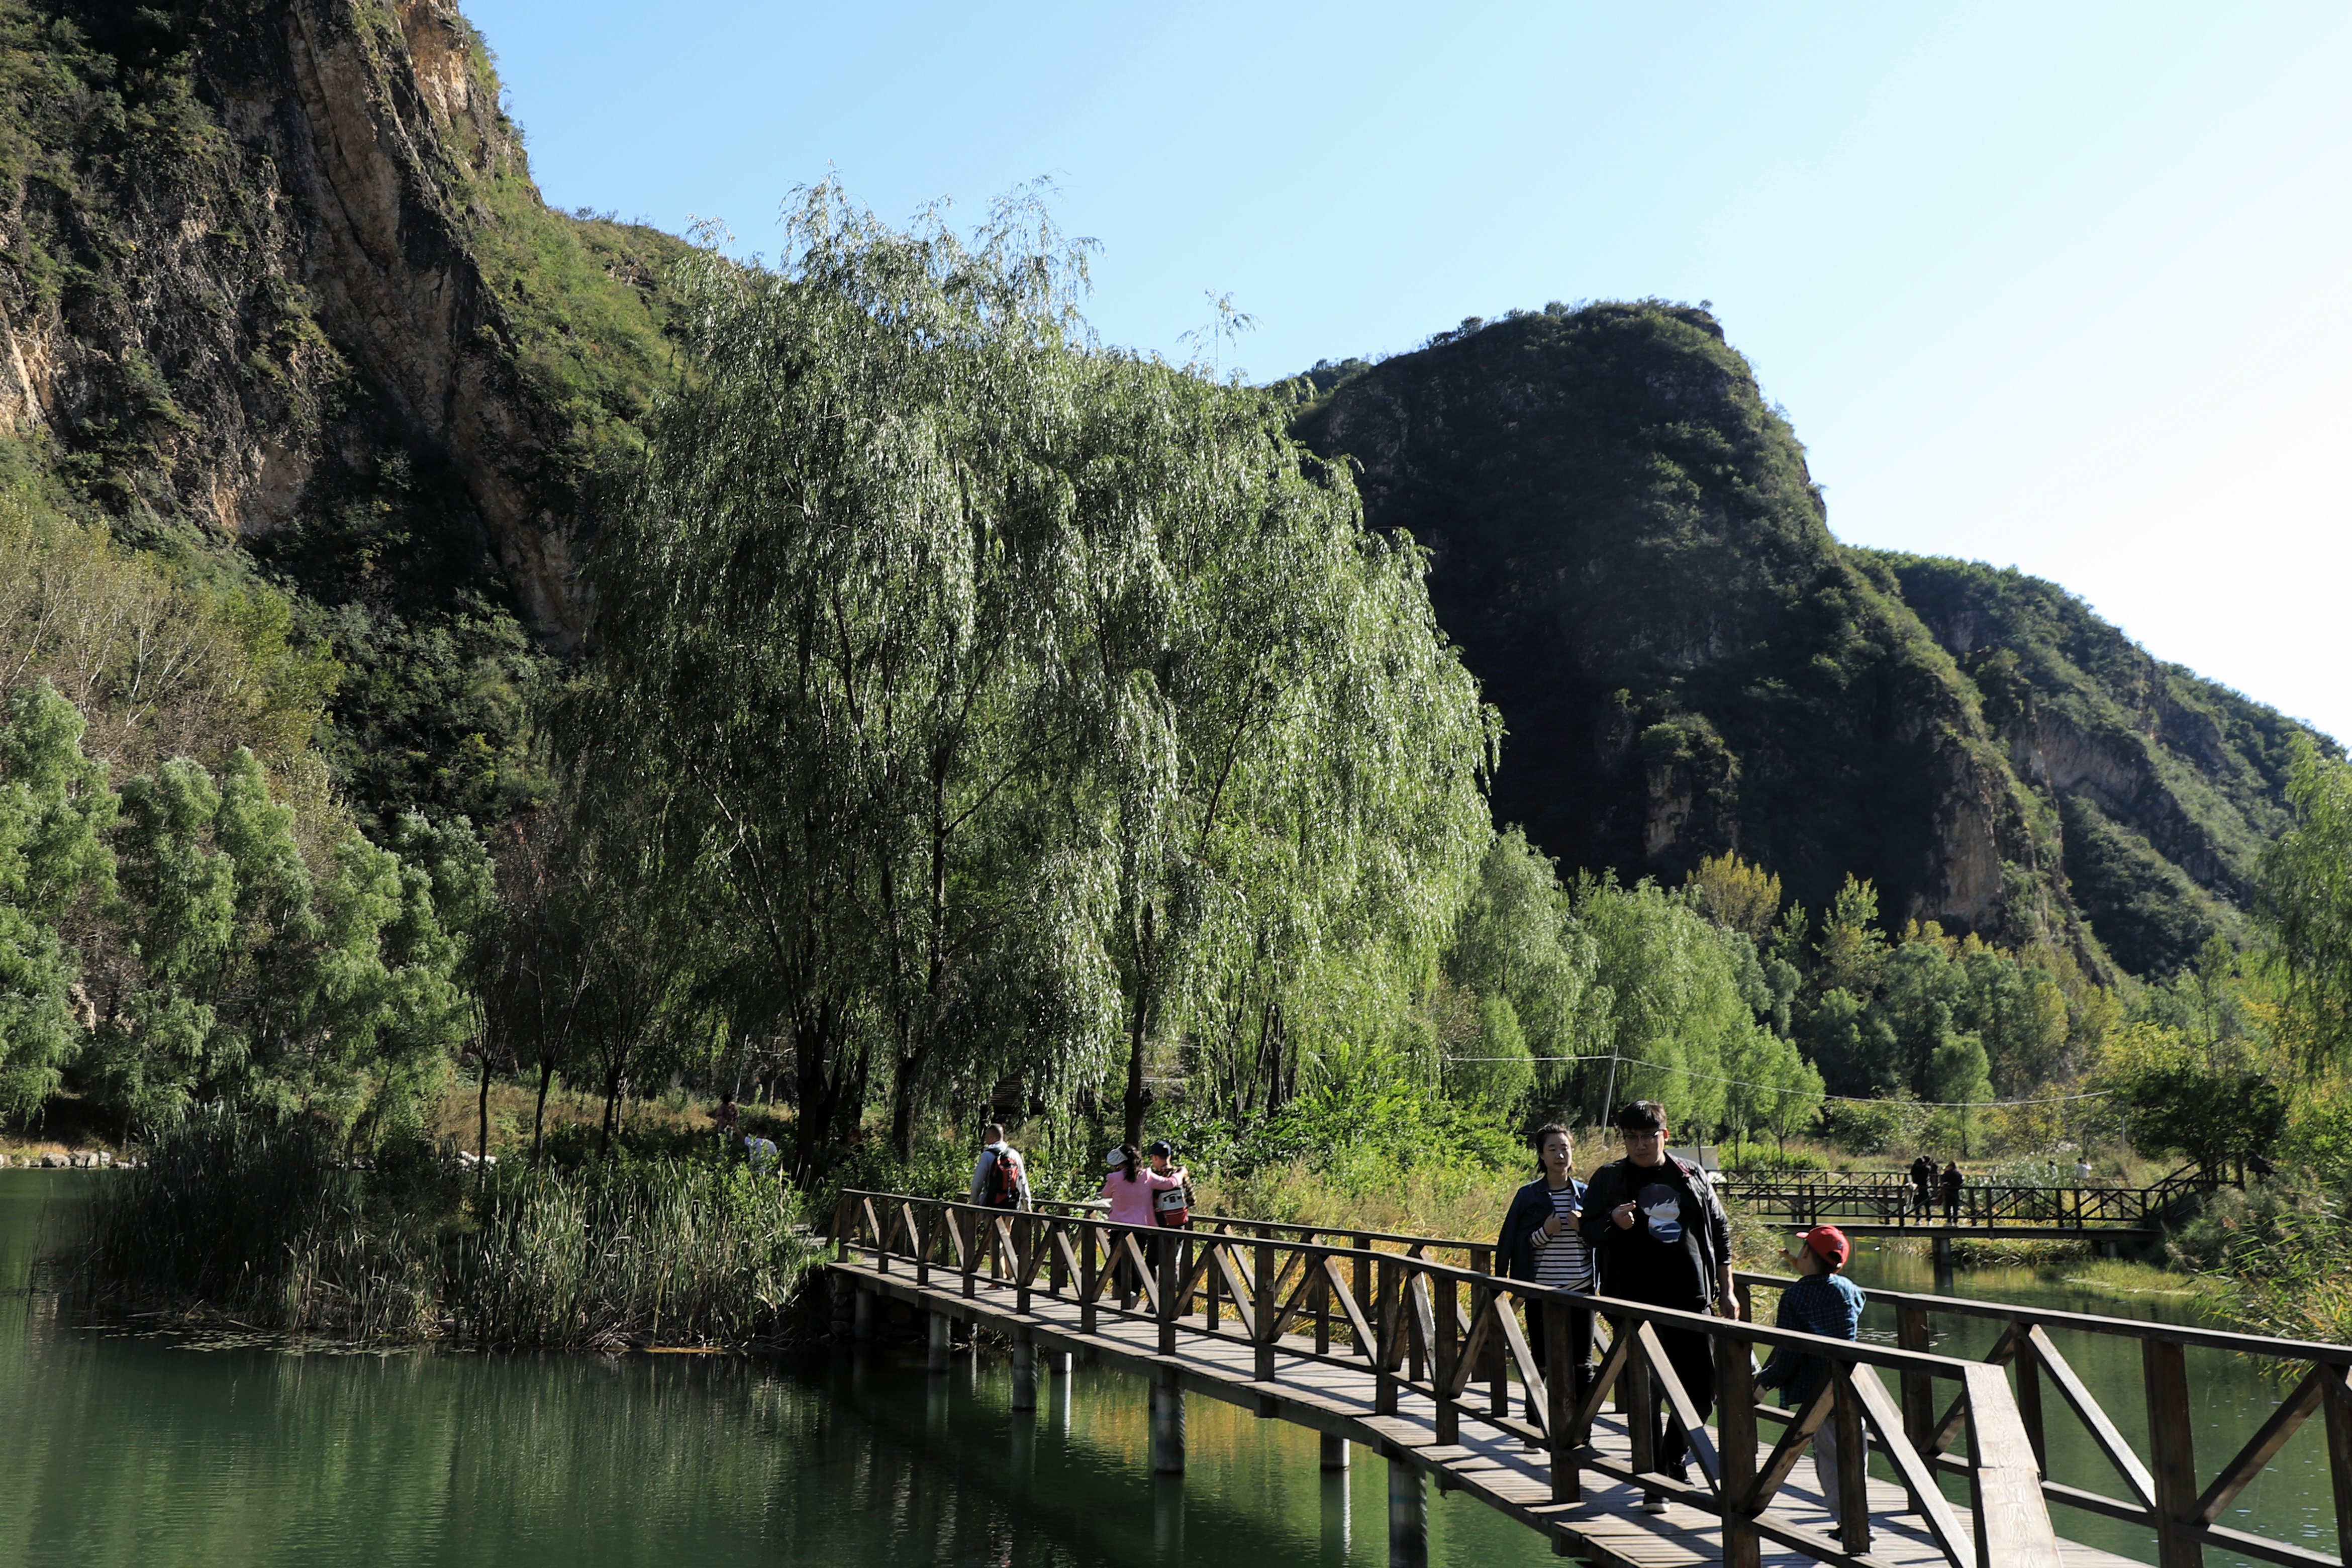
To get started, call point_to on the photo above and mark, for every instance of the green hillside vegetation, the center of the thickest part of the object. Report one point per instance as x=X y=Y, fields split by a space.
x=2168 y=787
x=880 y=697
x=1634 y=560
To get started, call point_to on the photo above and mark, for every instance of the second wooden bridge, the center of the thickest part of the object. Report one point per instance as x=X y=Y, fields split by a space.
x=1410 y=1347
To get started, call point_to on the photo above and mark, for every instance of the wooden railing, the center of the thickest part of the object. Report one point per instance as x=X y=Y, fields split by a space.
x=1888 y=1197
x=2164 y=1490
x=1399 y=1310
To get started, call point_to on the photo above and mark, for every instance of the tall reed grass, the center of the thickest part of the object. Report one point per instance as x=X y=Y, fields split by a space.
x=262 y=1224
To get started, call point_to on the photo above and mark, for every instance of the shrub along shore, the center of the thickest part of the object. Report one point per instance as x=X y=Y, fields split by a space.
x=264 y=1226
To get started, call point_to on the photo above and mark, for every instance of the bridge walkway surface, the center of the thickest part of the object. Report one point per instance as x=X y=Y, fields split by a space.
x=1379 y=1341
x=1498 y=1468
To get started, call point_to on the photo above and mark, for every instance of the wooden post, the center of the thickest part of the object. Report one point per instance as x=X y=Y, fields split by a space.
x=925 y=1235
x=2029 y=1396
x=2172 y=1452
x=1914 y=1332
x=1735 y=1426
x=1444 y=1296
x=1560 y=1401
x=2335 y=1399
x=1025 y=1247
x=938 y=1360
x=1264 y=1312
x=1335 y=1453
x=1089 y=1274
x=1170 y=1269
x=841 y=1212
x=1320 y=1263
x=863 y=1328
x=1211 y=1282
x=1387 y=1324
x=1853 y=1460
x=967 y=1233
x=1637 y=1398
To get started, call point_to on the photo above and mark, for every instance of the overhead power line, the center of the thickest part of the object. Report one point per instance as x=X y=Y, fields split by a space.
x=1782 y=1089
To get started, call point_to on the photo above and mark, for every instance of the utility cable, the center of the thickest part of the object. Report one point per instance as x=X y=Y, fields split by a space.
x=1782 y=1089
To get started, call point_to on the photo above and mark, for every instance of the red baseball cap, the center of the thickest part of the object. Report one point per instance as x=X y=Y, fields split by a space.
x=1829 y=1244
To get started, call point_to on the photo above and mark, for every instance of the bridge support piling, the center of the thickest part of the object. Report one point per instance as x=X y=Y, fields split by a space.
x=1335 y=1452
x=1338 y=1527
x=1025 y=1374
x=1943 y=1258
x=1408 y=1516
x=939 y=1342
x=1167 y=1424
x=863 y=1320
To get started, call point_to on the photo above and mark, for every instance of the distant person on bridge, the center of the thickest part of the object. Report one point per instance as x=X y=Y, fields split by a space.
x=999 y=1178
x=1923 y=1187
x=1825 y=1302
x=1953 y=1182
x=1659 y=1234
x=1540 y=1242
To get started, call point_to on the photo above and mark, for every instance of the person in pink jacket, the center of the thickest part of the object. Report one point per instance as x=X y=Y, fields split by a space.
x=1130 y=1184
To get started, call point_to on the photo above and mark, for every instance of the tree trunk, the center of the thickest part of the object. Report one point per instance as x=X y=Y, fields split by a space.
x=612 y=1112
x=538 y=1113
x=1139 y=1017
x=482 y=1141
x=902 y=1101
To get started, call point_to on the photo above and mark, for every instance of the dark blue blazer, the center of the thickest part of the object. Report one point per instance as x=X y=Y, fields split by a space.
x=1515 y=1249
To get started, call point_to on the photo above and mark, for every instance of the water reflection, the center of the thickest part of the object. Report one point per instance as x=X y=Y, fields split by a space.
x=126 y=1450
x=129 y=1449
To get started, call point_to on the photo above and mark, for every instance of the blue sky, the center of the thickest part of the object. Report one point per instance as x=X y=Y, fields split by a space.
x=2056 y=287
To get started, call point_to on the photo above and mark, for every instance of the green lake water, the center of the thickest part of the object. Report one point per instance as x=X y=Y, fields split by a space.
x=127 y=1448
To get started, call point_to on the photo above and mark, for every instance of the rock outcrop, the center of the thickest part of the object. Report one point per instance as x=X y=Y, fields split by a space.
x=1628 y=549
x=246 y=273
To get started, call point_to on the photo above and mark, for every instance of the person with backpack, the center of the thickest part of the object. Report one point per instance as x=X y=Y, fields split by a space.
x=1660 y=1236
x=999 y=1180
x=1540 y=1243
x=1172 y=1207
x=1822 y=1302
x=1953 y=1182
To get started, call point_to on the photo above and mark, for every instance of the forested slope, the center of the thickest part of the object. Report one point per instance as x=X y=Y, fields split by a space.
x=1634 y=558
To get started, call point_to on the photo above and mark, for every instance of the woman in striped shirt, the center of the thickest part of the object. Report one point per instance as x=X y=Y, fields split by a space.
x=1540 y=1244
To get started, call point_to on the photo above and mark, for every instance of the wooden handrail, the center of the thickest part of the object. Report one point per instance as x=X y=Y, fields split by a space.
x=1380 y=1302
x=1414 y=1333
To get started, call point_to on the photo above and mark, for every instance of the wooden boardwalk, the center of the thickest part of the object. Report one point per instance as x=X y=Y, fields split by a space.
x=1498 y=1467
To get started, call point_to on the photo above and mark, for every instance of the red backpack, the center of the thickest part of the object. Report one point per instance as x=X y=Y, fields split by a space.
x=1005 y=1180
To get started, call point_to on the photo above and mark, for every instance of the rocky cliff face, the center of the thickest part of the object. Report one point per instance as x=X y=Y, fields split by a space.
x=275 y=287
x=268 y=274
x=2167 y=787
x=1629 y=550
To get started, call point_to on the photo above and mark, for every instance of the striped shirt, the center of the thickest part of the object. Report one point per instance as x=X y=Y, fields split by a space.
x=1563 y=1262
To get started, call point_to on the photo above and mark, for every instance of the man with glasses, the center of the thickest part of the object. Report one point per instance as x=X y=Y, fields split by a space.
x=1660 y=1236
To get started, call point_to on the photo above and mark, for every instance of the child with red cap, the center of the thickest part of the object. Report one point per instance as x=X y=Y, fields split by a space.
x=1822 y=1302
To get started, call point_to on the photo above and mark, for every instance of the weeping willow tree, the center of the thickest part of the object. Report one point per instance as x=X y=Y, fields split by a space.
x=996 y=691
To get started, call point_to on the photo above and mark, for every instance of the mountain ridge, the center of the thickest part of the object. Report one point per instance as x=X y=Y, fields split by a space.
x=281 y=299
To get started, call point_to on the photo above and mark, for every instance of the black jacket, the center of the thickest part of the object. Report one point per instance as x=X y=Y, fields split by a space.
x=1515 y=1249
x=1616 y=1182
